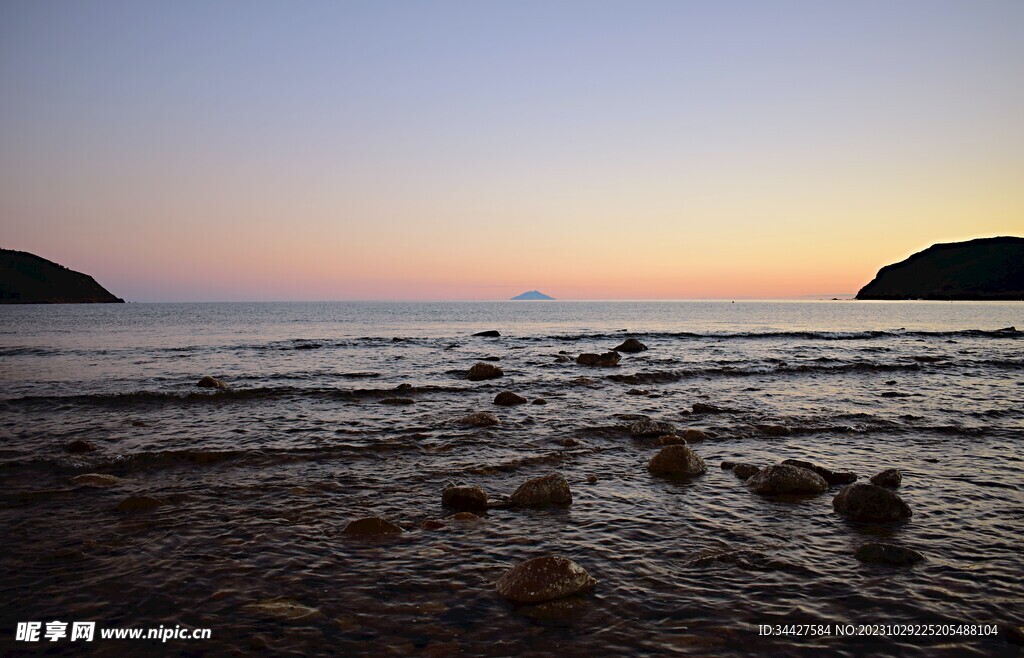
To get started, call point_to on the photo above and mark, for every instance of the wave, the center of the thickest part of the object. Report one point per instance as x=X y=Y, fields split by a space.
x=669 y=376
x=1008 y=332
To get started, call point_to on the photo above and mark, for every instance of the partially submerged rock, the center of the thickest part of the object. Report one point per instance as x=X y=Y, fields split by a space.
x=539 y=401
x=80 y=445
x=212 y=382
x=785 y=479
x=891 y=554
x=671 y=440
x=552 y=489
x=606 y=360
x=464 y=498
x=488 y=334
x=870 y=502
x=481 y=371
x=544 y=579
x=508 y=398
x=830 y=476
x=95 y=480
x=480 y=419
x=652 y=428
x=745 y=471
x=371 y=526
x=676 y=461
x=702 y=408
x=140 y=504
x=890 y=477
x=693 y=435
x=631 y=345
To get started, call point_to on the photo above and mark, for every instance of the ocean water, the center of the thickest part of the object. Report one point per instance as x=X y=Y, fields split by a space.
x=261 y=479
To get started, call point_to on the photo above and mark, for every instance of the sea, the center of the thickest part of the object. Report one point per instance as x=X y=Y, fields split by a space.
x=258 y=482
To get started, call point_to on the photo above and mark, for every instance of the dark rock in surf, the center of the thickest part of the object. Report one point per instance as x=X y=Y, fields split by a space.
x=570 y=442
x=79 y=446
x=488 y=334
x=552 y=489
x=694 y=435
x=651 y=428
x=631 y=345
x=676 y=461
x=539 y=401
x=890 y=554
x=784 y=479
x=482 y=371
x=508 y=399
x=830 y=476
x=637 y=391
x=371 y=527
x=140 y=504
x=606 y=360
x=212 y=382
x=544 y=579
x=702 y=408
x=745 y=471
x=480 y=419
x=561 y=358
x=464 y=498
x=890 y=477
x=870 y=502
x=491 y=358
x=671 y=440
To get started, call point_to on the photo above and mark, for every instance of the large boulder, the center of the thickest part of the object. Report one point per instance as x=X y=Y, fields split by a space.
x=830 y=476
x=212 y=382
x=544 y=579
x=870 y=502
x=481 y=371
x=676 y=461
x=464 y=498
x=784 y=479
x=631 y=345
x=890 y=477
x=480 y=419
x=891 y=554
x=508 y=398
x=371 y=527
x=552 y=489
x=606 y=360
x=648 y=427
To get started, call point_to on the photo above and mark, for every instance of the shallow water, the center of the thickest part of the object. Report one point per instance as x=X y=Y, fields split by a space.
x=261 y=479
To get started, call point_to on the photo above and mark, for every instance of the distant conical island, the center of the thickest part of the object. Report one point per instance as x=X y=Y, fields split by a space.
x=532 y=294
x=982 y=269
x=29 y=279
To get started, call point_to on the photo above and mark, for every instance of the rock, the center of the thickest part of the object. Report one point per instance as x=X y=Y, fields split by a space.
x=585 y=381
x=695 y=436
x=552 y=489
x=676 y=461
x=591 y=479
x=481 y=371
x=78 y=446
x=544 y=579
x=488 y=334
x=464 y=498
x=891 y=554
x=648 y=427
x=870 y=502
x=890 y=477
x=95 y=480
x=397 y=401
x=371 y=527
x=29 y=279
x=787 y=479
x=561 y=612
x=671 y=440
x=606 y=360
x=283 y=609
x=561 y=358
x=432 y=524
x=212 y=382
x=631 y=345
x=539 y=401
x=464 y=516
x=830 y=476
x=491 y=358
x=701 y=408
x=728 y=466
x=637 y=391
x=570 y=442
x=508 y=398
x=480 y=419
x=139 y=504
x=774 y=430
x=745 y=471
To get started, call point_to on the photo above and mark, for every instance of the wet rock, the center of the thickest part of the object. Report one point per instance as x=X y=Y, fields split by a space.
x=481 y=371
x=561 y=612
x=787 y=480
x=728 y=466
x=491 y=358
x=591 y=479
x=539 y=401
x=870 y=502
x=397 y=401
x=464 y=516
x=606 y=360
x=631 y=345
x=432 y=524
x=464 y=498
x=488 y=334
x=676 y=461
x=830 y=476
x=671 y=440
x=774 y=430
x=371 y=526
x=212 y=382
x=282 y=609
x=894 y=394
x=585 y=381
x=139 y=504
x=544 y=579
x=745 y=471
x=570 y=442
x=79 y=446
x=638 y=391
x=693 y=435
x=480 y=419
x=95 y=480
x=508 y=398
x=552 y=489
x=648 y=427
x=561 y=358
x=890 y=477
x=702 y=408
x=891 y=554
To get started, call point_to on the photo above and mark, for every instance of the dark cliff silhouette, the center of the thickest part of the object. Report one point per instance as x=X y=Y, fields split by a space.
x=532 y=294
x=982 y=269
x=28 y=279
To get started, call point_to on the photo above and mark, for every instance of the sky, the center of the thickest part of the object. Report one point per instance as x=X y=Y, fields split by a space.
x=342 y=150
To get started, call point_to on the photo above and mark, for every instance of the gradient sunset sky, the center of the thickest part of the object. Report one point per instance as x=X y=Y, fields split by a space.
x=473 y=150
